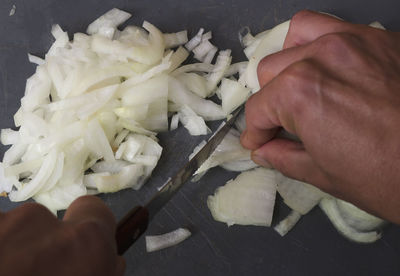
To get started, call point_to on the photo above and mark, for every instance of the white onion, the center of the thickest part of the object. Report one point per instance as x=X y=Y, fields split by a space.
x=227 y=151
x=154 y=243
x=195 y=83
x=329 y=206
x=112 y=19
x=271 y=42
x=194 y=41
x=299 y=196
x=175 y=39
x=233 y=94
x=247 y=200
x=285 y=225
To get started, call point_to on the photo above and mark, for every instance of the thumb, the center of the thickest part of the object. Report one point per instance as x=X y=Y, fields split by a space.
x=291 y=159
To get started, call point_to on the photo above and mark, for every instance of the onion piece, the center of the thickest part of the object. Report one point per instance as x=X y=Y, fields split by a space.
x=179 y=94
x=195 y=83
x=285 y=225
x=201 y=50
x=271 y=43
x=228 y=150
x=154 y=243
x=208 y=58
x=35 y=60
x=97 y=141
x=177 y=58
x=61 y=196
x=39 y=181
x=192 y=122
x=128 y=177
x=194 y=41
x=357 y=218
x=239 y=165
x=9 y=136
x=377 y=25
x=174 y=122
x=111 y=19
x=175 y=39
x=222 y=64
x=247 y=200
x=329 y=206
x=299 y=196
x=233 y=94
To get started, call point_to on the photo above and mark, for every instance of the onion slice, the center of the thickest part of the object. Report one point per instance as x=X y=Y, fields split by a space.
x=247 y=200
x=154 y=243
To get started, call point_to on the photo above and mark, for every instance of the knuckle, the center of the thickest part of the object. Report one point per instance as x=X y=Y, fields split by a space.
x=335 y=44
x=300 y=80
x=90 y=230
x=300 y=16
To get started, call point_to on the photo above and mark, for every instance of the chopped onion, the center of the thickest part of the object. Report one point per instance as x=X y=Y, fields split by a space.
x=154 y=243
x=174 y=122
x=195 y=83
x=247 y=200
x=285 y=225
x=192 y=122
x=195 y=40
x=271 y=42
x=227 y=151
x=357 y=218
x=179 y=94
x=175 y=39
x=35 y=60
x=233 y=94
x=329 y=206
x=377 y=25
x=299 y=196
x=111 y=19
x=201 y=50
x=222 y=64
x=9 y=136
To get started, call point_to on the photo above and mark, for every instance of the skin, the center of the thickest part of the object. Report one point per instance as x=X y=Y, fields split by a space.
x=34 y=242
x=336 y=86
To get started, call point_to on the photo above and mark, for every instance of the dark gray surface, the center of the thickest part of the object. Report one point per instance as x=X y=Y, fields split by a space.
x=312 y=248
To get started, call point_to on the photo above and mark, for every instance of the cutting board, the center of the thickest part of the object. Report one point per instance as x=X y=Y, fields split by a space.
x=312 y=248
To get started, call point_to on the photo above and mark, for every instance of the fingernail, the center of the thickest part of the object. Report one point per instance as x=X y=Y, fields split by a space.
x=260 y=160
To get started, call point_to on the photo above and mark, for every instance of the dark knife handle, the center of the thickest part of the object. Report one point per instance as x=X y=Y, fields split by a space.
x=131 y=227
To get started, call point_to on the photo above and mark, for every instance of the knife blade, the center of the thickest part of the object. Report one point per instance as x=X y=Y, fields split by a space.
x=135 y=222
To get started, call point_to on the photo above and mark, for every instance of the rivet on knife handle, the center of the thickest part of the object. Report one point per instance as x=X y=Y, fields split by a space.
x=131 y=227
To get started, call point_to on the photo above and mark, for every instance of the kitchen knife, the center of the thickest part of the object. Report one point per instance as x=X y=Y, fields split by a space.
x=135 y=222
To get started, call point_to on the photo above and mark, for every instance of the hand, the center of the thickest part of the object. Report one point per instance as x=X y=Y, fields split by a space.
x=34 y=242
x=336 y=86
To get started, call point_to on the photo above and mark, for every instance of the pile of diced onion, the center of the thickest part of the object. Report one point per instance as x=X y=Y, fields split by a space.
x=91 y=112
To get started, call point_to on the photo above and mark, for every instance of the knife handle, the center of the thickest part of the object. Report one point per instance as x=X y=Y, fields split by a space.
x=131 y=227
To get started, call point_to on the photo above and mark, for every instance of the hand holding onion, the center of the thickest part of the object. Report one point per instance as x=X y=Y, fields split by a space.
x=334 y=85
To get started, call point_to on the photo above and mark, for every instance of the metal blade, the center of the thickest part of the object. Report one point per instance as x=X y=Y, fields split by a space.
x=172 y=186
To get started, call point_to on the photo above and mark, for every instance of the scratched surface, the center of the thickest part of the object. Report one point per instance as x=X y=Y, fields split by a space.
x=312 y=248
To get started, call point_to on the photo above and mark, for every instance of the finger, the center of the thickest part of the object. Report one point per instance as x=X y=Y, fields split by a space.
x=290 y=101
x=91 y=208
x=121 y=266
x=306 y=26
x=270 y=66
x=259 y=128
x=291 y=159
